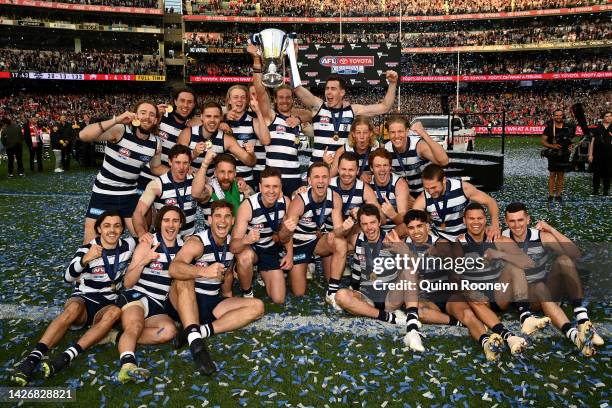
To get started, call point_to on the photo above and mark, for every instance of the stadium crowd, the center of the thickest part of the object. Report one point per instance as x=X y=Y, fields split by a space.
x=217 y=69
x=596 y=30
x=480 y=64
x=80 y=62
x=330 y=8
x=522 y=108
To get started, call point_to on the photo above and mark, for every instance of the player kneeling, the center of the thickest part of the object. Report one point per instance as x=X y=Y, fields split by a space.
x=143 y=317
x=374 y=298
x=99 y=266
x=198 y=271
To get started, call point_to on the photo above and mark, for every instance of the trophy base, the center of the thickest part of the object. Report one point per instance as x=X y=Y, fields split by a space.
x=272 y=80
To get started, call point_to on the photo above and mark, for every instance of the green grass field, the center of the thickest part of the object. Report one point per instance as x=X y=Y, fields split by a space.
x=41 y=226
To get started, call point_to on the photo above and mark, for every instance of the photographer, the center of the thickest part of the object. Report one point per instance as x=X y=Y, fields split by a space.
x=557 y=139
x=600 y=154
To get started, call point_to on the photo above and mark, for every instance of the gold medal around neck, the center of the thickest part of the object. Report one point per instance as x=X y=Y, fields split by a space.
x=135 y=123
x=208 y=144
x=443 y=226
x=297 y=140
x=114 y=287
x=336 y=136
x=373 y=276
x=169 y=109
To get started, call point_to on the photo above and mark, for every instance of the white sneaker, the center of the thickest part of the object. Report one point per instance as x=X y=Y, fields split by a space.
x=331 y=300
x=59 y=170
x=400 y=318
x=584 y=338
x=412 y=340
x=516 y=344
x=533 y=323
x=493 y=346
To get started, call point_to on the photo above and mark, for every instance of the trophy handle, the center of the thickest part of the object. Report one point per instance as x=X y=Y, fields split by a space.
x=256 y=39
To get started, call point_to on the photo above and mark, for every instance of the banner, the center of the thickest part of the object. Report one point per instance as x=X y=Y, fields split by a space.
x=516 y=130
x=30 y=23
x=219 y=79
x=81 y=77
x=509 y=77
x=395 y=19
x=215 y=50
x=82 y=7
x=359 y=64
x=510 y=47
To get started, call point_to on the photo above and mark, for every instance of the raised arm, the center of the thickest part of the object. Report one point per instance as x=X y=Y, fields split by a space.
x=308 y=99
x=144 y=254
x=429 y=149
x=246 y=155
x=295 y=211
x=152 y=191
x=262 y=95
x=108 y=130
x=386 y=104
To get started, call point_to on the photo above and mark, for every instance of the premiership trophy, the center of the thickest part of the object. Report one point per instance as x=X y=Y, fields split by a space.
x=273 y=44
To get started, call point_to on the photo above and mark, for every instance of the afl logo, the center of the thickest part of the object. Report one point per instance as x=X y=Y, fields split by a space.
x=156 y=266
x=281 y=129
x=324 y=119
x=124 y=152
x=258 y=226
x=98 y=270
x=170 y=201
x=201 y=263
x=163 y=135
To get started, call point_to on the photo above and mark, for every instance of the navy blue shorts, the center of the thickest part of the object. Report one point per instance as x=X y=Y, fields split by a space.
x=124 y=204
x=304 y=253
x=94 y=302
x=268 y=259
x=152 y=307
x=206 y=305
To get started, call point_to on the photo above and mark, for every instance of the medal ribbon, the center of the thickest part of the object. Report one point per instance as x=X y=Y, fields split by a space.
x=525 y=244
x=164 y=248
x=319 y=218
x=111 y=272
x=346 y=206
x=179 y=198
x=336 y=121
x=388 y=191
x=273 y=223
x=216 y=250
x=370 y=255
x=442 y=211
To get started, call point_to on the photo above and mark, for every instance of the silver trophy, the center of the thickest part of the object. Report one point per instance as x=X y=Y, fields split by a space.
x=272 y=44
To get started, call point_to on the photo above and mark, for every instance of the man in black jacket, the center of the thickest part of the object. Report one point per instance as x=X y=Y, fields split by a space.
x=600 y=154
x=11 y=139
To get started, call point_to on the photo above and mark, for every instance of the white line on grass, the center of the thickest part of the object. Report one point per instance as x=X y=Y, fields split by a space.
x=277 y=323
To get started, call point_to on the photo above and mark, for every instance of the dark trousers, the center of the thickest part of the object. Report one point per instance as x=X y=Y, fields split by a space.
x=36 y=151
x=15 y=152
x=66 y=157
x=601 y=171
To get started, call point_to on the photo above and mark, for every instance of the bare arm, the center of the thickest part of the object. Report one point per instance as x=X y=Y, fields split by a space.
x=510 y=252
x=261 y=131
x=386 y=104
x=157 y=168
x=110 y=130
x=295 y=211
x=341 y=227
x=152 y=191
x=333 y=170
x=231 y=145
x=304 y=114
x=557 y=241
x=181 y=268
x=263 y=98
x=430 y=149
x=308 y=99
x=419 y=203
x=144 y=254
x=239 y=241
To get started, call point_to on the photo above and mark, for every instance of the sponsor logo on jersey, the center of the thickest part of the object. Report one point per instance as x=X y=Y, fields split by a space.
x=281 y=129
x=324 y=119
x=98 y=270
x=156 y=266
x=201 y=263
x=171 y=201
x=124 y=152
x=163 y=135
